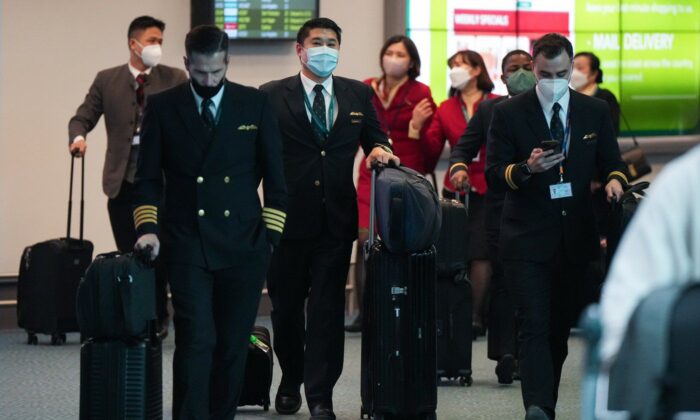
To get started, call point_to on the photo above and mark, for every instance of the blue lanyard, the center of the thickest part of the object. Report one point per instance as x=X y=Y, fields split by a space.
x=325 y=127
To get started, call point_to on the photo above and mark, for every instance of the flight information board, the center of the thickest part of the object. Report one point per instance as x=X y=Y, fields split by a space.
x=255 y=19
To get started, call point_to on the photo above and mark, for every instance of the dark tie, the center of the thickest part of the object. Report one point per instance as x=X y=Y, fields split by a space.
x=319 y=108
x=207 y=116
x=556 y=128
x=140 y=82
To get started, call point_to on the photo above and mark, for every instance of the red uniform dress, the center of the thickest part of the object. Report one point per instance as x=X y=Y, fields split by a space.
x=449 y=123
x=395 y=119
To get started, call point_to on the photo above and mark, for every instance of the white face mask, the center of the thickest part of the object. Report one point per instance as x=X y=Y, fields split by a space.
x=578 y=79
x=395 y=67
x=150 y=54
x=553 y=89
x=459 y=77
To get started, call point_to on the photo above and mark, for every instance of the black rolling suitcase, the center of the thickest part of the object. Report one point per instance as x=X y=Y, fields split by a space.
x=454 y=296
x=49 y=274
x=258 y=370
x=398 y=338
x=121 y=379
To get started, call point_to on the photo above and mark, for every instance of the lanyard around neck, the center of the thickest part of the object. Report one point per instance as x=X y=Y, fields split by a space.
x=324 y=126
x=464 y=107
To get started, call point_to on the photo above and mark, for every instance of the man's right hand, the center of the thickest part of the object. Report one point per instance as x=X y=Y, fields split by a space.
x=460 y=180
x=78 y=148
x=146 y=240
x=543 y=160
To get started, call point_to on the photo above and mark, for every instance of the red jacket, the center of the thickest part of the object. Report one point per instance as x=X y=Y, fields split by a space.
x=449 y=124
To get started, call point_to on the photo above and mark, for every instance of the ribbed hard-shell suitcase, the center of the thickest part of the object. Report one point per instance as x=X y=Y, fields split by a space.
x=121 y=380
x=398 y=338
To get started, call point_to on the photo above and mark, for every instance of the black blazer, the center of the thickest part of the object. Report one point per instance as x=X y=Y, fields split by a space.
x=211 y=212
x=533 y=226
x=322 y=195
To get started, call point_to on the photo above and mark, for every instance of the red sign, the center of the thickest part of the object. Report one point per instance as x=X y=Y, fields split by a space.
x=510 y=22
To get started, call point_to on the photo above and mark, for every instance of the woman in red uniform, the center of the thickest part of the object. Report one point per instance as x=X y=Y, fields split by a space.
x=471 y=84
x=398 y=99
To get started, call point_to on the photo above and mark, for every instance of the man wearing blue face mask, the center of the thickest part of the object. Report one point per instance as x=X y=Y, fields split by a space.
x=542 y=150
x=519 y=78
x=322 y=119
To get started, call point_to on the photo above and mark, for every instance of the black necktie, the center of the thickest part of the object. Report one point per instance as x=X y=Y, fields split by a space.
x=319 y=108
x=207 y=116
x=556 y=128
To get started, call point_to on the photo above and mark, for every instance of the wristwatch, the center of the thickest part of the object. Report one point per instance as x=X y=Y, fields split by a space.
x=525 y=169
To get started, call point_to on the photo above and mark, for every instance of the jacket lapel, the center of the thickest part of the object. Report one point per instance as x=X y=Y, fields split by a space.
x=536 y=120
x=187 y=108
x=294 y=98
x=342 y=97
x=577 y=122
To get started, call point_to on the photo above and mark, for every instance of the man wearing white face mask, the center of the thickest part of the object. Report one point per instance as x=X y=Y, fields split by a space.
x=120 y=94
x=542 y=150
x=322 y=119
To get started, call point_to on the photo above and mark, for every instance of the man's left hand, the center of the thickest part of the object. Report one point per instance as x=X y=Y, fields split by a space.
x=378 y=154
x=614 y=189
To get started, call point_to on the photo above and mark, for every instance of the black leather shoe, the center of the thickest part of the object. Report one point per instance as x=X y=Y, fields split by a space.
x=505 y=369
x=321 y=411
x=536 y=413
x=287 y=402
x=355 y=326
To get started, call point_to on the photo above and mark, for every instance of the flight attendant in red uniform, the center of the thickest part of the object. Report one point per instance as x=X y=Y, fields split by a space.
x=398 y=99
x=471 y=84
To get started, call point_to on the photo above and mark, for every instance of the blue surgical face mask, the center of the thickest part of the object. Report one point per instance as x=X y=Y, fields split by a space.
x=321 y=60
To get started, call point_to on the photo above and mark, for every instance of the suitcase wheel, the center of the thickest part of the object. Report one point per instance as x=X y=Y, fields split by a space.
x=58 y=339
x=466 y=380
x=32 y=339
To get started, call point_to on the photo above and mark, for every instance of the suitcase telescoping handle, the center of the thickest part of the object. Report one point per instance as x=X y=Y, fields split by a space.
x=458 y=192
x=376 y=167
x=82 y=196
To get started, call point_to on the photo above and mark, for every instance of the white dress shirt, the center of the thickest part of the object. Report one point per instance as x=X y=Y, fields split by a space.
x=327 y=95
x=547 y=104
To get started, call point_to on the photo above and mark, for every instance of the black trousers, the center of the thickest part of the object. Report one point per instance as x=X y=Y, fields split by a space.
x=502 y=331
x=121 y=217
x=214 y=315
x=309 y=349
x=545 y=296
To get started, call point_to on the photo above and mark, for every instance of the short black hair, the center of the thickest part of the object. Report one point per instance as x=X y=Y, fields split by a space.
x=315 y=23
x=206 y=39
x=551 y=45
x=594 y=64
x=414 y=69
x=142 y=23
x=512 y=53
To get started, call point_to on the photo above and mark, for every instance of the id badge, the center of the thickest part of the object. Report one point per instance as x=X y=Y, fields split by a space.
x=560 y=190
x=136 y=140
